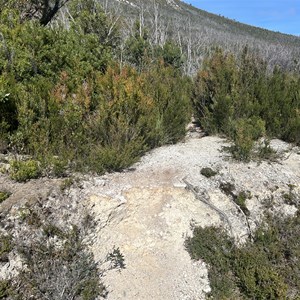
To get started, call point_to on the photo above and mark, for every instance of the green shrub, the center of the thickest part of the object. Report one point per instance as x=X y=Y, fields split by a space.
x=66 y=271
x=58 y=264
x=116 y=158
x=292 y=130
x=22 y=171
x=170 y=92
x=208 y=172
x=241 y=98
x=116 y=259
x=266 y=152
x=227 y=188
x=290 y=197
x=138 y=48
x=4 y=195
x=256 y=276
x=56 y=166
x=240 y=200
x=50 y=230
x=245 y=133
x=30 y=216
x=8 y=109
x=213 y=94
x=67 y=183
x=267 y=268
x=5 y=289
x=212 y=245
x=6 y=246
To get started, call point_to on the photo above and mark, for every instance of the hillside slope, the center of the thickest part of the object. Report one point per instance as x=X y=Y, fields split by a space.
x=196 y=31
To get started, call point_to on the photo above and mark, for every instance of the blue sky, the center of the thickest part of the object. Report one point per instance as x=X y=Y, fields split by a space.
x=277 y=15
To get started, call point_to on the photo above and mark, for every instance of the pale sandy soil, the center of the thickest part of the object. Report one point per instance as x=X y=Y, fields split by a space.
x=147 y=212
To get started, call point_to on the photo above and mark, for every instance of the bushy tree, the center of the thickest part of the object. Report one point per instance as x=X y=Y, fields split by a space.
x=215 y=92
x=90 y=19
x=171 y=93
x=138 y=50
x=170 y=53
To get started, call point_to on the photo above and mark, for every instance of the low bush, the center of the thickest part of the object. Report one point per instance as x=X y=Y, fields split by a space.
x=290 y=197
x=266 y=152
x=213 y=245
x=208 y=172
x=56 y=263
x=245 y=133
x=227 y=188
x=116 y=259
x=240 y=200
x=6 y=245
x=61 y=270
x=4 y=195
x=67 y=183
x=5 y=289
x=22 y=171
x=267 y=268
x=256 y=276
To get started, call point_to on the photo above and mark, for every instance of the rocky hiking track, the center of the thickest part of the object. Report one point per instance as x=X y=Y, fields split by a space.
x=148 y=210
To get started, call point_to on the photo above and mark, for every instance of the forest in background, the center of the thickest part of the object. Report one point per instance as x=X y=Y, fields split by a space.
x=198 y=32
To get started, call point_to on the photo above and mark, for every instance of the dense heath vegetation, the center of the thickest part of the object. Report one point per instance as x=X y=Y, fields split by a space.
x=244 y=100
x=69 y=102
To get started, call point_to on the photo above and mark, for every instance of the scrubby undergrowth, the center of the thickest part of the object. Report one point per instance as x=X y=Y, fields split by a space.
x=241 y=98
x=266 y=268
x=43 y=254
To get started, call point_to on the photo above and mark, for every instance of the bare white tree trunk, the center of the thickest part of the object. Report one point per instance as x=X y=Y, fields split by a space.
x=156 y=16
x=189 y=49
x=142 y=19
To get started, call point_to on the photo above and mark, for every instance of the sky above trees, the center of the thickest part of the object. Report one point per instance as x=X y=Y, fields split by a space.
x=276 y=15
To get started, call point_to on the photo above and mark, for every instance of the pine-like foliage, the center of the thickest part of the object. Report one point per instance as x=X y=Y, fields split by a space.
x=241 y=98
x=66 y=102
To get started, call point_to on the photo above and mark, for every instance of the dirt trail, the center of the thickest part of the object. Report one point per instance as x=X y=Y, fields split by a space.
x=147 y=213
